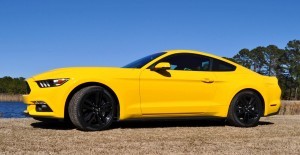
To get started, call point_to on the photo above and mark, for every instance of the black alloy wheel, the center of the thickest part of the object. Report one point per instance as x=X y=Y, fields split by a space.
x=245 y=109
x=92 y=108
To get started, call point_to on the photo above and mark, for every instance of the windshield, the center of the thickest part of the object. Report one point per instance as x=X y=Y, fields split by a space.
x=143 y=61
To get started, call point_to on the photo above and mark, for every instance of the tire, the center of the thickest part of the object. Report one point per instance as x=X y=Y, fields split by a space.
x=92 y=109
x=245 y=109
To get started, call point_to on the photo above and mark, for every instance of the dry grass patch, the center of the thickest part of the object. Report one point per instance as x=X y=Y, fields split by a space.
x=11 y=98
x=275 y=135
x=290 y=108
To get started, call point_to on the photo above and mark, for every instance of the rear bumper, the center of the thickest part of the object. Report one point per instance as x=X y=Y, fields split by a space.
x=273 y=108
x=275 y=113
x=272 y=96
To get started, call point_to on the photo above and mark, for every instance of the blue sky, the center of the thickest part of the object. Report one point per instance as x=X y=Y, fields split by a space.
x=36 y=36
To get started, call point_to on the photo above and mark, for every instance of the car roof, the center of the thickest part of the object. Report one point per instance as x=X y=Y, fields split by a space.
x=202 y=53
x=239 y=67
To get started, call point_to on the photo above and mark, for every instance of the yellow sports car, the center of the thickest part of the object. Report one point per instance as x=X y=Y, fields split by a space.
x=178 y=83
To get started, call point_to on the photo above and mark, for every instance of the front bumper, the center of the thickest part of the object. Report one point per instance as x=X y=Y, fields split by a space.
x=54 y=98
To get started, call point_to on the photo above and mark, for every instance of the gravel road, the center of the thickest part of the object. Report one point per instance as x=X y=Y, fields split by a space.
x=275 y=135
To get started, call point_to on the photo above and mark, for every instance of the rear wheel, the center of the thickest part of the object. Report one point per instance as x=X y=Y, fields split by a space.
x=92 y=108
x=245 y=109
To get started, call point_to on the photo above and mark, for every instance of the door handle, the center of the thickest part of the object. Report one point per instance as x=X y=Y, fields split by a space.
x=206 y=80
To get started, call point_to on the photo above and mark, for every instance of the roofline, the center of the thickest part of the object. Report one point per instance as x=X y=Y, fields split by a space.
x=202 y=53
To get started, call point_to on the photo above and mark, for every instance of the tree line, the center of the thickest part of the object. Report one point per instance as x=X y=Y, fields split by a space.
x=273 y=61
x=9 y=85
x=269 y=60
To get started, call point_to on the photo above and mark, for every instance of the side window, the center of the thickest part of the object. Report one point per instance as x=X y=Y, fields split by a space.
x=189 y=62
x=222 y=66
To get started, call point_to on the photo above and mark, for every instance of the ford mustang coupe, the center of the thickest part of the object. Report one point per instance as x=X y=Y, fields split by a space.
x=178 y=83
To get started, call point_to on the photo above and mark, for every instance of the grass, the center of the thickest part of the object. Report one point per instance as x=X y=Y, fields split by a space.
x=11 y=98
x=275 y=135
x=290 y=108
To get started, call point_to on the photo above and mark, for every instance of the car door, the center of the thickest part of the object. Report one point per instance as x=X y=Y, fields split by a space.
x=186 y=88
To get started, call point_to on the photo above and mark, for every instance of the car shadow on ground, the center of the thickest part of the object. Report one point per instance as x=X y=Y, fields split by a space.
x=54 y=125
x=265 y=123
x=167 y=123
x=161 y=123
x=157 y=123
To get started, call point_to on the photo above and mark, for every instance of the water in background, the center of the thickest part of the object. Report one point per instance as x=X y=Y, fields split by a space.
x=12 y=110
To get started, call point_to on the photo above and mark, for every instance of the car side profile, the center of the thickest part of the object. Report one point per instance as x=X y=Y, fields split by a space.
x=177 y=83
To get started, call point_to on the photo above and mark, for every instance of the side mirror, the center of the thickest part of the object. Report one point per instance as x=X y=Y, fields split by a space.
x=161 y=66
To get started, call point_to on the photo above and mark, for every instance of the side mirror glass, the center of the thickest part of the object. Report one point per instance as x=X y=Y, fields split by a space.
x=162 y=66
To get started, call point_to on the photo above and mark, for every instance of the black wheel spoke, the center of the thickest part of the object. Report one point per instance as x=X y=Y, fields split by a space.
x=85 y=112
x=89 y=103
x=98 y=119
x=241 y=113
x=92 y=118
x=244 y=101
x=87 y=106
x=252 y=102
x=88 y=116
x=103 y=118
x=253 y=113
x=106 y=107
x=246 y=117
x=99 y=98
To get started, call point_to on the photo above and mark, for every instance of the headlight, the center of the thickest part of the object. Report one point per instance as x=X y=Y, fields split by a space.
x=51 y=82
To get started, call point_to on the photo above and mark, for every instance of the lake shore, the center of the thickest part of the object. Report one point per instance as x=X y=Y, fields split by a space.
x=11 y=98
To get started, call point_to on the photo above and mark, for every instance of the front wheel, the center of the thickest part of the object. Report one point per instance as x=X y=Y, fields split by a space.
x=245 y=109
x=92 y=108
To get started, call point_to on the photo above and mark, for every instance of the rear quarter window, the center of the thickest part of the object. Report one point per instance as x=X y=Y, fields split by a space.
x=221 y=66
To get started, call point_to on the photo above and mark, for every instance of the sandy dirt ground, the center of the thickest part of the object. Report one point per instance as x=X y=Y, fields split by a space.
x=274 y=135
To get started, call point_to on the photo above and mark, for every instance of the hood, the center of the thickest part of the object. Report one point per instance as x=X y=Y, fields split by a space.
x=73 y=72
